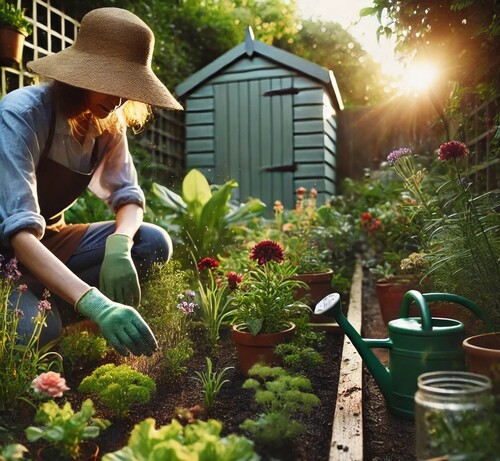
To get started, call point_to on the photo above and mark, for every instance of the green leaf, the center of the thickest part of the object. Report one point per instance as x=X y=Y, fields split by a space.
x=169 y=198
x=195 y=188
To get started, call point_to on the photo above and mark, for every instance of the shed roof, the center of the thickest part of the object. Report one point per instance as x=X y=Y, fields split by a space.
x=251 y=47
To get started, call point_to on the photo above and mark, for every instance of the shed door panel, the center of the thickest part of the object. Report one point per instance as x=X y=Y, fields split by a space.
x=253 y=132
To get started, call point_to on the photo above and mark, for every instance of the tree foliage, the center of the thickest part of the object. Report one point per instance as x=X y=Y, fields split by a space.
x=461 y=35
x=190 y=34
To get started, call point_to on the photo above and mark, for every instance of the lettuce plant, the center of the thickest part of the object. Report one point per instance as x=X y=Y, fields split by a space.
x=118 y=387
x=198 y=441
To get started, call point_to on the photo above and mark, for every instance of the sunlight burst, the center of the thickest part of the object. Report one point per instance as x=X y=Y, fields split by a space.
x=418 y=78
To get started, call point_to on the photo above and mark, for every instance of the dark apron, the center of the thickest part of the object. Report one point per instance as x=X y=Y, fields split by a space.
x=58 y=188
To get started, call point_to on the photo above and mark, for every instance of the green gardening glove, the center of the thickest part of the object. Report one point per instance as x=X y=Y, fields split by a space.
x=122 y=326
x=118 y=278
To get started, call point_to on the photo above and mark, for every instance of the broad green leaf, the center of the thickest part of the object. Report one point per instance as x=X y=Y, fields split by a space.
x=169 y=198
x=195 y=188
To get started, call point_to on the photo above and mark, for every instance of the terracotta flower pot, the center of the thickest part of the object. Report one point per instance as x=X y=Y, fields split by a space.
x=482 y=353
x=89 y=451
x=11 y=46
x=253 y=349
x=320 y=285
x=390 y=293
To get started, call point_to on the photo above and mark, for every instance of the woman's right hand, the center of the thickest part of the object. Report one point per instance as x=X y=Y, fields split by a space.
x=122 y=326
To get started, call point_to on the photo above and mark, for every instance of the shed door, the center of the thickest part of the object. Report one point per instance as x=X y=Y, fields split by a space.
x=254 y=132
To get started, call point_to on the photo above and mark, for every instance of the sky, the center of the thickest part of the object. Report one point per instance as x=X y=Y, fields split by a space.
x=346 y=13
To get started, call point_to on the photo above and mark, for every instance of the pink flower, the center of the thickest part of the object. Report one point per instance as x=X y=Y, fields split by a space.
x=452 y=149
x=50 y=384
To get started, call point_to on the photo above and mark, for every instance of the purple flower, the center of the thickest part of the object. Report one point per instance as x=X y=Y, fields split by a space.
x=187 y=307
x=44 y=305
x=395 y=155
x=11 y=271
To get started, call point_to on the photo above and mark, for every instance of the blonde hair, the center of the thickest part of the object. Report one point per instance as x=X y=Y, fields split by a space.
x=71 y=102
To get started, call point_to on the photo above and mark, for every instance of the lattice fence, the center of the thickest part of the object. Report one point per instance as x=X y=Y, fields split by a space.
x=54 y=31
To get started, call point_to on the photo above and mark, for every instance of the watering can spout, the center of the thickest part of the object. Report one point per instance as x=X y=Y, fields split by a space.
x=332 y=306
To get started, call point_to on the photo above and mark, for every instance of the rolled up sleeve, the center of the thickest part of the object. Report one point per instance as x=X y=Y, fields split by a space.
x=115 y=179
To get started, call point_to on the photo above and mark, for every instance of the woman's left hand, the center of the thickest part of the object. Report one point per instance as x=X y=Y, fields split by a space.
x=118 y=278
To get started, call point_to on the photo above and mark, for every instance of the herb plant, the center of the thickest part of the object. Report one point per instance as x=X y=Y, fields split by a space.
x=118 y=387
x=212 y=382
x=281 y=396
x=11 y=16
x=214 y=290
x=200 y=440
x=64 y=429
x=82 y=348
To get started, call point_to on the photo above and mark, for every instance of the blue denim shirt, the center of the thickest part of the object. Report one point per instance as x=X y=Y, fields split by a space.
x=24 y=127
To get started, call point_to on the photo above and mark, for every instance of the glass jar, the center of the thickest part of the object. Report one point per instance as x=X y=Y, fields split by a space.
x=447 y=402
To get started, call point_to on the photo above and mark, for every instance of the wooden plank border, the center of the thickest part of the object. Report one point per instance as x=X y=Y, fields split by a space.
x=347 y=432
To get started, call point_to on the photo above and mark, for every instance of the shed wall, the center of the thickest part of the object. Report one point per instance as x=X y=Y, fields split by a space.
x=257 y=115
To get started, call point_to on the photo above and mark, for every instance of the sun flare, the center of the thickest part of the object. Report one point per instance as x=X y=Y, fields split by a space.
x=418 y=77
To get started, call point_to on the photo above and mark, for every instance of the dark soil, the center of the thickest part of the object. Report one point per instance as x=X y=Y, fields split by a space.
x=386 y=438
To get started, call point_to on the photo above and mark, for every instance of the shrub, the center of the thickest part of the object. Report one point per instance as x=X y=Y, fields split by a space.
x=281 y=396
x=82 y=348
x=118 y=387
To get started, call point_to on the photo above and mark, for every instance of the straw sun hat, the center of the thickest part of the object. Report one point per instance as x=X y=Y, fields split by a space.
x=111 y=55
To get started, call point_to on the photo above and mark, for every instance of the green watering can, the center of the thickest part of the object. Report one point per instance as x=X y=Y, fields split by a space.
x=416 y=345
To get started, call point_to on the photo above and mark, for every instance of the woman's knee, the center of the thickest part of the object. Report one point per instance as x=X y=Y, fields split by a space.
x=152 y=244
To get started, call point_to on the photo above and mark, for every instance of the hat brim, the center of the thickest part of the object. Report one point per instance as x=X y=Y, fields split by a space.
x=106 y=74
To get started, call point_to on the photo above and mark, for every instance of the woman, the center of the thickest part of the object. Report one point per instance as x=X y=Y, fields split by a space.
x=57 y=139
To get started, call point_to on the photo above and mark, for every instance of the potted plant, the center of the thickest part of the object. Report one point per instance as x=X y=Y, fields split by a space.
x=14 y=28
x=66 y=432
x=265 y=306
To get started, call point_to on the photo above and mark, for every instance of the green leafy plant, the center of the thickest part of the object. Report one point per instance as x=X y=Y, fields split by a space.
x=212 y=382
x=11 y=16
x=203 y=221
x=199 y=440
x=176 y=357
x=215 y=307
x=298 y=357
x=21 y=358
x=64 y=429
x=462 y=230
x=166 y=288
x=82 y=348
x=12 y=452
x=308 y=245
x=264 y=301
x=118 y=387
x=281 y=396
x=466 y=435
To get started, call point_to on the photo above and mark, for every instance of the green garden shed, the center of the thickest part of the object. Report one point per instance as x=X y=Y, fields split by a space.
x=266 y=118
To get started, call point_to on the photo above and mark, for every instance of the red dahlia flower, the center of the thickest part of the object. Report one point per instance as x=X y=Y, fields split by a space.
x=267 y=251
x=233 y=280
x=208 y=263
x=452 y=149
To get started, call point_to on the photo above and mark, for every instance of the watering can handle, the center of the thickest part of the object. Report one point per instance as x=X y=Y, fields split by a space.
x=420 y=300
x=474 y=308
